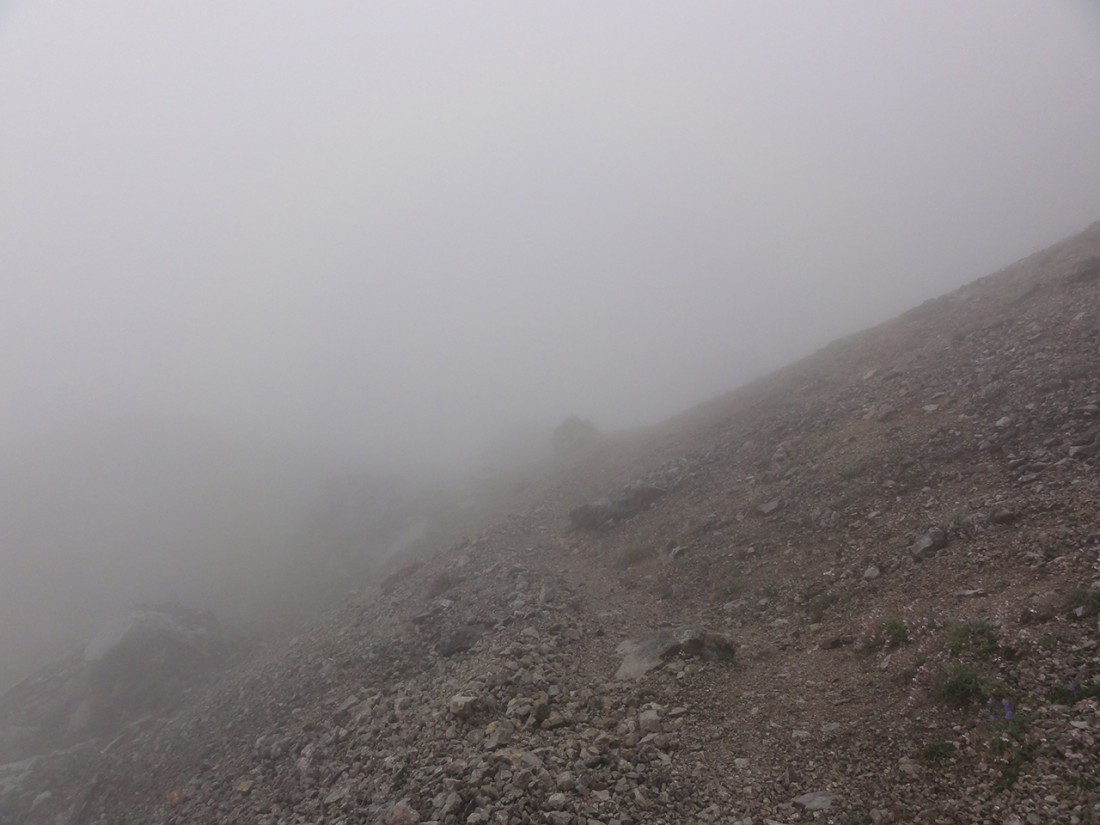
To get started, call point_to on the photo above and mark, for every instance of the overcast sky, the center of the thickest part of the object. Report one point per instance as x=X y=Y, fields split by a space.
x=386 y=228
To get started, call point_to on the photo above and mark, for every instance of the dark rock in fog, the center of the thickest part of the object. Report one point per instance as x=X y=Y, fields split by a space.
x=572 y=435
x=135 y=665
x=459 y=639
x=631 y=501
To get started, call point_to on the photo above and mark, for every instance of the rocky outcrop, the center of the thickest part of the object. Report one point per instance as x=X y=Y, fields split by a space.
x=137 y=664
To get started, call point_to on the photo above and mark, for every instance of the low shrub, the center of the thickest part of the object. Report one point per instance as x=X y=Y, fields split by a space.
x=1084 y=603
x=819 y=604
x=937 y=751
x=1011 y=748
x=963 y=685
x=894 y=632
x=977 y=636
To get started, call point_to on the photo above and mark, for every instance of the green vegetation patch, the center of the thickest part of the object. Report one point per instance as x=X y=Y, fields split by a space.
x=894 y=632
x=937 y=751
x=1073 y=693
x=819 y=604
x=962 y=685
x=1011 y=748
x=1084 y=603
x=976 y=636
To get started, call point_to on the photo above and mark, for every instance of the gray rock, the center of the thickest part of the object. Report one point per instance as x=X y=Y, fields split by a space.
x=136 y=665
x=499 y=734
x=649 y=721
x=649 y=653
x=463 y=706
x=565 y=781
x=337 y=794
x=927 y=545
x=814 y=801
x=403 y=814
x=769 y=507
x=459 y=639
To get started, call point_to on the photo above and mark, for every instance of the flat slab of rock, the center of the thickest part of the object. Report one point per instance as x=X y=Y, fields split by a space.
x=814 y=801
x=769 y=507
x=649 y=653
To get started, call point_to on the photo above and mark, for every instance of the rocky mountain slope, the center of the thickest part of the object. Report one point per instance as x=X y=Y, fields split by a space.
x=864 y=589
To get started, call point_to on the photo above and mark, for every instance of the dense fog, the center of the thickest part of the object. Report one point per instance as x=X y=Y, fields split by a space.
x=272 y=268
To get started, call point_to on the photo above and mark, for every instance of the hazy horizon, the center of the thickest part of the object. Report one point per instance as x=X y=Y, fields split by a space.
x=389 y=230
x=389 y=236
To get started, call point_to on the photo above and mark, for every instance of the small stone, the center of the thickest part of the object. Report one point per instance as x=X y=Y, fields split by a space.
x=871 y=573
x=649 y=721
x=769 y=507
x=565 y=781
x=555 y=720
x=463 y=706
x=499 y=734
x=336 y=794
x=970 y=593
x=403 y=814
x=929 y=543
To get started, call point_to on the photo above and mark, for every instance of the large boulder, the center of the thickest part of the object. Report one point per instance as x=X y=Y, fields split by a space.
x=652 y=651
x=136 y=664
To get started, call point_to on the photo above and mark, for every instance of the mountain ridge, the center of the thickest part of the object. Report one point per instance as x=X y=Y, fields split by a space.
x=897 y=534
